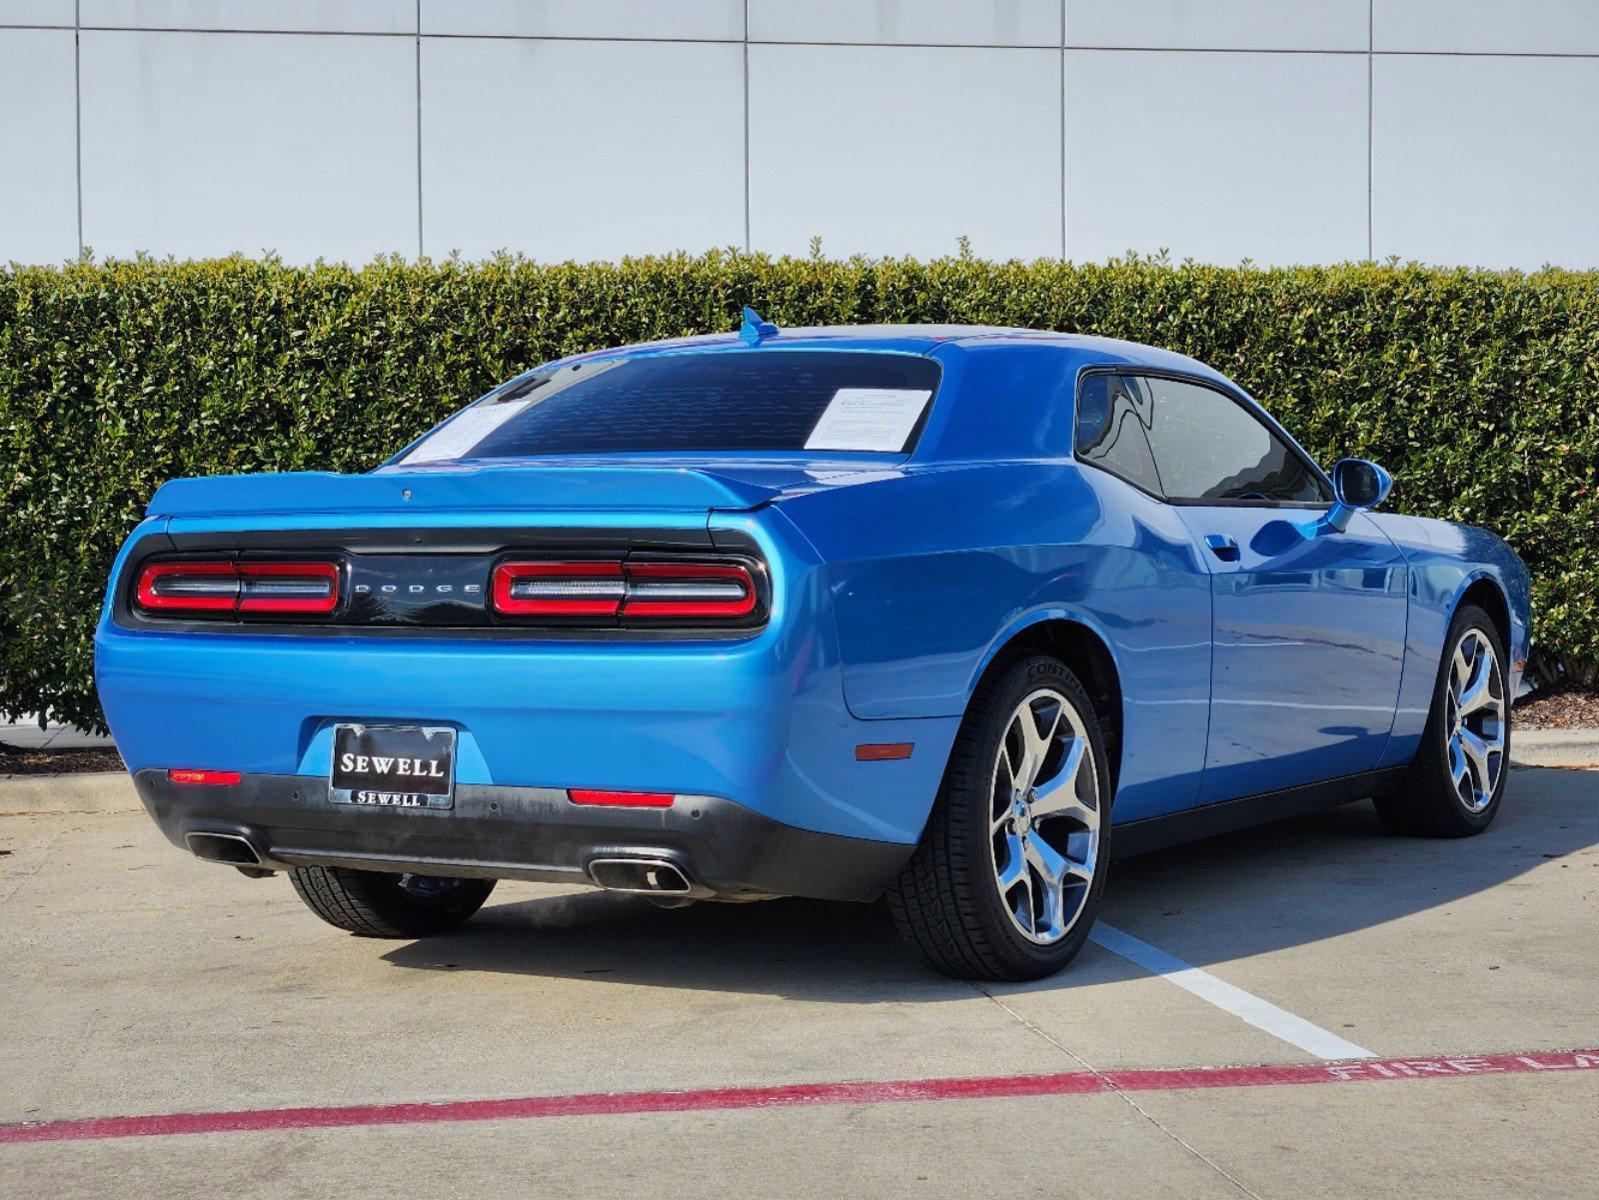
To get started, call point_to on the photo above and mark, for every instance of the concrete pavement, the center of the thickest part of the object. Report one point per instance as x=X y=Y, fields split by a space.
x=139 y=981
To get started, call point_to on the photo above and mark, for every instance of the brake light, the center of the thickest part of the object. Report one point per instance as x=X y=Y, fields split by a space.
x=609 y=589
x=225 y=586
x=620 y=799
x=195 y=775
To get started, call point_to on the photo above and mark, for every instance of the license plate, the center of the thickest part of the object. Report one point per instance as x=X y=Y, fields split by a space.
x=393 y=766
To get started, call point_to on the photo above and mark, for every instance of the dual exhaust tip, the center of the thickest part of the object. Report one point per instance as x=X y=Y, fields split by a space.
x=641 y=875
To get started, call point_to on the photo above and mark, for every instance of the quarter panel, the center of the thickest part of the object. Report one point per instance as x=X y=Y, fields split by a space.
x=932 y=571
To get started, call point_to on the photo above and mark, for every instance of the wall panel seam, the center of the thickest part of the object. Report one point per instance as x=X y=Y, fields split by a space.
x=77 y=111
x=420 y=243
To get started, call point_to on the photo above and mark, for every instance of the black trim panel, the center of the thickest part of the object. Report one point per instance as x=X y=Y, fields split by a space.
x=526 y=833
x=1191 y=824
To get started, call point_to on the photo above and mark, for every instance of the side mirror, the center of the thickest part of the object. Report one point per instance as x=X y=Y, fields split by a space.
x=1358 y=485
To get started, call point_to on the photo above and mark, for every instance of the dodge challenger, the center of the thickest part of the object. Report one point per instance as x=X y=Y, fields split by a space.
x=942 y=615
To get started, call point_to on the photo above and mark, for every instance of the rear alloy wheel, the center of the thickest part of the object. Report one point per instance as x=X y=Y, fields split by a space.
x=1455 y=782
x=1008 y=873
x=378 y=904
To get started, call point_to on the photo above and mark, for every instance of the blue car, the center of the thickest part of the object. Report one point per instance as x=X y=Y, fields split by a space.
x=941 y=614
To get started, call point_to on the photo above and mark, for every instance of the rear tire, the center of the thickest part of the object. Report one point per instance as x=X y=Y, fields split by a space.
x=1446 y=791
x=978 y=899
x=381 y=905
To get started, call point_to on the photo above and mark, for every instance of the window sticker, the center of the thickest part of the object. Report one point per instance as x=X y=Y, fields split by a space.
x=877 y=419
x=468 y=428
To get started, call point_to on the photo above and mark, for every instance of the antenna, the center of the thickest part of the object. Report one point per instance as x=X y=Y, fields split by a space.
x=755 y=327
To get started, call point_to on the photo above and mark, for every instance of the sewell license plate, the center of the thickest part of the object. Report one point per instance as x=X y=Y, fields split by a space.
x=393 y=766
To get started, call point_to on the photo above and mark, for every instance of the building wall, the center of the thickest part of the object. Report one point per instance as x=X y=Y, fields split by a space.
x=1282 y=131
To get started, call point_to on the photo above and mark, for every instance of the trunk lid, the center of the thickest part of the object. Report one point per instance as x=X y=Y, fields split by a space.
x=588 y=486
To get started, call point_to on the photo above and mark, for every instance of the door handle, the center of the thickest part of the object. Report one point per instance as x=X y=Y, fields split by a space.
x=1222 y=546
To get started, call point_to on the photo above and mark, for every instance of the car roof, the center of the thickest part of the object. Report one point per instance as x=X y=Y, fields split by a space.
x=920 y=339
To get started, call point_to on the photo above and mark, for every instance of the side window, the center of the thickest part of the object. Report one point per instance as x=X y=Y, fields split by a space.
x=1207 y=446
x=1113 y=416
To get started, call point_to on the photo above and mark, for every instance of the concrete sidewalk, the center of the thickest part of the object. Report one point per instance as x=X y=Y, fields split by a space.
x=28 y=734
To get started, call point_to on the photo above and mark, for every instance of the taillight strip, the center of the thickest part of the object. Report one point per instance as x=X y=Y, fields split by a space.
x=226 y=586
x=608 y=589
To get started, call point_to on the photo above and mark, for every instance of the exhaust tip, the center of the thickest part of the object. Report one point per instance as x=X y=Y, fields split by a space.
x=227 y=848
x=646 y=876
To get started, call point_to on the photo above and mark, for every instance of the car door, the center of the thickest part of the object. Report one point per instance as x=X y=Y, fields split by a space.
x=1308 y=621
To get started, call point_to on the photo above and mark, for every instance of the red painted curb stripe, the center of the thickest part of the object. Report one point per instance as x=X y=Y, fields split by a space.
x=795 y=1095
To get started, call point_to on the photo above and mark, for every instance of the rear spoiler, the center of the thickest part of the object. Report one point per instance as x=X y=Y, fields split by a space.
x=501 y=489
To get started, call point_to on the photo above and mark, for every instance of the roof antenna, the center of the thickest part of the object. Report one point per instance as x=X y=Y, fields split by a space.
x=755 y=327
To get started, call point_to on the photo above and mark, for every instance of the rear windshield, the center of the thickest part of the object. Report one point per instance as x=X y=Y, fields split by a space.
x=728 y=401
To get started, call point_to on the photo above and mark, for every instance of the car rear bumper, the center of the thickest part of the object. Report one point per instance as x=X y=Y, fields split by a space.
x=720 y=848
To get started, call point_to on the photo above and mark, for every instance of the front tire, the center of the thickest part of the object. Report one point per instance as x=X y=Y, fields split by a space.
x=381 y=905
x=1007 y=877
x=1455 y=783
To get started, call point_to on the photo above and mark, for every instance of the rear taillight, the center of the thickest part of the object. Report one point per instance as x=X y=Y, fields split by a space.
x=712 y=591
x=288 y=587
x=210 y=586
x=189 y=587
x=642 y=591
x=558 y=589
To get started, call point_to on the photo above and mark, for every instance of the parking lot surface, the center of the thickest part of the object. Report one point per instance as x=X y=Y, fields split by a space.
x=1424 y=1015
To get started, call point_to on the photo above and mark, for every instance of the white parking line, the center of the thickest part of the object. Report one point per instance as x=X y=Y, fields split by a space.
x=1262 y=1014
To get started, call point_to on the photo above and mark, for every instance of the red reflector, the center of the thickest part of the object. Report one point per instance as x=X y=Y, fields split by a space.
x=621 y=799
x=195 y=775
x=558 y=589
x=713 y=590
x=883 y=751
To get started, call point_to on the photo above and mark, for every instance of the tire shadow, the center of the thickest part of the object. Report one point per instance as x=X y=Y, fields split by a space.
x=1209 y=902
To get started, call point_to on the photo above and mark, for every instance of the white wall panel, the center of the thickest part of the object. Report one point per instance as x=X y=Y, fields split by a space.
x=1487 y=26
x=1486 y=161
x=1219 y=24
x=581 y=149
x=38 y=12
x=901 y=151
x=38 y=182
x=199 y=144
x=962 y=22
x=1218 y=157
x=321 y=16
x=717 y=19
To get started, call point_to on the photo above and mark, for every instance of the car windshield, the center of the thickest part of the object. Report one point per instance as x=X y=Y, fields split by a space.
x=739 y=400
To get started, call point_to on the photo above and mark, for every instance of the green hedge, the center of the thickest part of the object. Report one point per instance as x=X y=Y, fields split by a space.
x=1476 y=388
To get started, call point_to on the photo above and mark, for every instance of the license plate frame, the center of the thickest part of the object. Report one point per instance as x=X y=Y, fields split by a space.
x=426 y=780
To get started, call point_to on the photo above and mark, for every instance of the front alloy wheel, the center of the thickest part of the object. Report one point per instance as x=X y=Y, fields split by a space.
x=1453 y=786
x=1475 y=708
